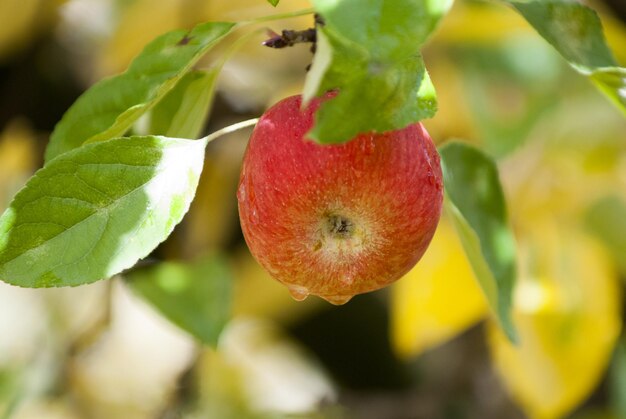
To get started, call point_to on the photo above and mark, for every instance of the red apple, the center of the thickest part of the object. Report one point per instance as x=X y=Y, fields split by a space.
x=337 y=220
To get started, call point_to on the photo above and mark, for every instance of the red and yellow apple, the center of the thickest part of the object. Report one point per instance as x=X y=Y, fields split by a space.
x=337 y=220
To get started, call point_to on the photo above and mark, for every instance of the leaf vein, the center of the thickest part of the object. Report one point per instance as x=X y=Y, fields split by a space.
x=109 y=207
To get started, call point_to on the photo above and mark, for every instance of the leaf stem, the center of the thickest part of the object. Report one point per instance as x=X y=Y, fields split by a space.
x=279 y=16
x=229 y=129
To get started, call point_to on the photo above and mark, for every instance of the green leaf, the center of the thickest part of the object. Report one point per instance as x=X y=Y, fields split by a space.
x=273 y=2
x=111 y=106
x=362 y=103
x=369 y=50
x=94 y=211
x=575 y=31
x=475 y=201
x=196 y=297
x=606 y=219
x=183 y=112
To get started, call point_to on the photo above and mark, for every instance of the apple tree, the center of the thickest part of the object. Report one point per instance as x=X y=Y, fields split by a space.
x=122 y=167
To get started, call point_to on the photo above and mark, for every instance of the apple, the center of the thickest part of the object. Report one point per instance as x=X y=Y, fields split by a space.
x=337 y=220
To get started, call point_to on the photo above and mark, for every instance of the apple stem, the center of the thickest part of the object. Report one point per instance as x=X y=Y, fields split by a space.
x=229 y=129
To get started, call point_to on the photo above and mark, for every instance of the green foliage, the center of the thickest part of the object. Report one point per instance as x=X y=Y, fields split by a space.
x=196 y=297
x=110 y=107
x=370 y=51
x=96 y=210
x=575 y=31
x=273 y=2
x=605 y=219
x=475 y=201
x=183 y=112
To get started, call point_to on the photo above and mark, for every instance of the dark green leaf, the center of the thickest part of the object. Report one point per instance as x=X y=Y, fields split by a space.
x=575 y=31
x=606 y=219
x=112 y=105
x=369 y=50
x=94 y=211
x=196 y=297
x=475 y=200
x=570 y=27
x=337 y=124
x=183 y=112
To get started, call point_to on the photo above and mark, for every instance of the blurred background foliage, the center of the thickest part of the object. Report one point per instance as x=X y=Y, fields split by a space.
x=426 y=347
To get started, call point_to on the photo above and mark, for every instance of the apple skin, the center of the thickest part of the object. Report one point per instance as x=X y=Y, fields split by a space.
x=337 y=220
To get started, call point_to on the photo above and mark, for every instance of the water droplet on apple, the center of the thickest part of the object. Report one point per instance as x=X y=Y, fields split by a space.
x=241 y=192
x=338 y=299
x=298 y=293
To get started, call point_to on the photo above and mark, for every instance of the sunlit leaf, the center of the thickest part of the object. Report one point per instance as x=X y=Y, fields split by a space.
x=607 y=220
x=111 y=106
x=437 y=299
x=568 y=314
x=475 y=202
x=612 y=81
x=194 y=296
x=96 y=210
x=184 y=110
x=273 y=2
x=575 y=31
x=370 y=52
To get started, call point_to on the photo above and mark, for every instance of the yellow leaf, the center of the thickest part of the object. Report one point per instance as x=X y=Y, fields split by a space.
x=567 y=311
x=437 y=299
